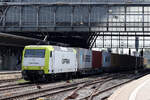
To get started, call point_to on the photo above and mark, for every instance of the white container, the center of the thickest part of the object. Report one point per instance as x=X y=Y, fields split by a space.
x=84 y=58
x=63 y=60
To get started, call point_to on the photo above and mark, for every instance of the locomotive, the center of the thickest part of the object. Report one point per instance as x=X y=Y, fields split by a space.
x=45 y=62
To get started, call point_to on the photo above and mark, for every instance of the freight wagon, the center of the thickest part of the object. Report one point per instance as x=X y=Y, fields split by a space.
x=100 y=59
x=120 y=62
x=84 y=60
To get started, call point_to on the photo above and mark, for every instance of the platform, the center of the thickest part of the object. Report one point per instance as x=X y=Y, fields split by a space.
x=9 y=75
x=135 y=90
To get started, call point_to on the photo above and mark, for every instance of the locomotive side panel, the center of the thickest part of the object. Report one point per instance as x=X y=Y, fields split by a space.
x=63 y=60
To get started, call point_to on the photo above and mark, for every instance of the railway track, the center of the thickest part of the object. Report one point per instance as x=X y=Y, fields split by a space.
x=33 y=94
x=9 y=80
x=13 y=86
x=97 y=92
x=46 y=90
x=19 y=85
x=53 y=90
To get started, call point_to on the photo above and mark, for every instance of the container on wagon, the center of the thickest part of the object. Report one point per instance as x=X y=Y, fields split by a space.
x=84 y=58
x=101 y=59
x=115 y=60
x=106 y=59
x=96 y=59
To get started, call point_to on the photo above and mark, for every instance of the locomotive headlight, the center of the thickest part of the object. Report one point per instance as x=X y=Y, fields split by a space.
x=42 y=67
x=25 y=67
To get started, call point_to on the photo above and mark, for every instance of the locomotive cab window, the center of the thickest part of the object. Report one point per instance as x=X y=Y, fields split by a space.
x=39 y=53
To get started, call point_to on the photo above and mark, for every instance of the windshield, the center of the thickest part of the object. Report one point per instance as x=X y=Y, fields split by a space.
x=39 y=53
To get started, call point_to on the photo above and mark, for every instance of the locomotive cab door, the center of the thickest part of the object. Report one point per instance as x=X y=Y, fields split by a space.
x=51 y=62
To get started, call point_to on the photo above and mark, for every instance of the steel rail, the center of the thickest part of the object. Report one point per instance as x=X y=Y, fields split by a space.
x=86 y=84
x=108 y=89
x=15 y=86
x=75 y=87
x=48 y=90
x=8 y=80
